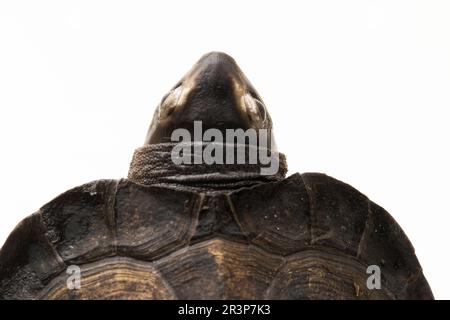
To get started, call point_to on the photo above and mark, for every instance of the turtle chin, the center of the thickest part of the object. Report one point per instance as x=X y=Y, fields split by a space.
x=214 y=92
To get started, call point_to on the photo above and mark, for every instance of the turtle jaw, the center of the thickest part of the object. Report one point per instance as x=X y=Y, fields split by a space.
x=217 y=93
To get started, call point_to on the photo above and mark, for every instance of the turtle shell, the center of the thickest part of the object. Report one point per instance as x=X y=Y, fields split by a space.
x=308 y=236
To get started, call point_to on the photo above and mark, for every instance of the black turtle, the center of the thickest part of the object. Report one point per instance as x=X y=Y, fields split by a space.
x=210 y=231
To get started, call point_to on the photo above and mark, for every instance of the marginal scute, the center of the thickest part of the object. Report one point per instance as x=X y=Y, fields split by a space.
x=275 y=216
x=153 y=221
x=338 y=212
x=386 y=245
x=219 y=269
x=419 y=289
x=27 y=260
x=78 y=222
x=112 y=278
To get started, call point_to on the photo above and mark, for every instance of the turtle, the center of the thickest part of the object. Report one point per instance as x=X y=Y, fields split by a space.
x=211 y=230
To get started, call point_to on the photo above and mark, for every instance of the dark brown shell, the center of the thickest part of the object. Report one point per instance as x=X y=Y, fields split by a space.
x=307 y=236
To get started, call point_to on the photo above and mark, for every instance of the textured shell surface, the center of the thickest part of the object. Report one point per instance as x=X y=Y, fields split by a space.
x=143 y=242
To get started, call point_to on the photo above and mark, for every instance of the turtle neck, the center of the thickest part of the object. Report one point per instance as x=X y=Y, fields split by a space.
x=154 y=164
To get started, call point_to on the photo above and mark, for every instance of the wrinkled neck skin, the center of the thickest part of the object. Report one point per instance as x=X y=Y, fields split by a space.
x=153 y=165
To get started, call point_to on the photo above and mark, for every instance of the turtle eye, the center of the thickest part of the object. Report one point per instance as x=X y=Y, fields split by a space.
x=255 y=108
x=169 y=102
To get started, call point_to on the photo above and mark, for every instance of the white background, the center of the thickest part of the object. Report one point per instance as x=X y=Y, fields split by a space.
x=359 y=90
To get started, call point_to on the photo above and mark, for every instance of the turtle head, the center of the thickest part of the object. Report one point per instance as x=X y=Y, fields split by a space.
x=212 y=101
x=217 y=93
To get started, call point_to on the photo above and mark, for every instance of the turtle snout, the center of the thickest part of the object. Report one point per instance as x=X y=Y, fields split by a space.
x=217 y=93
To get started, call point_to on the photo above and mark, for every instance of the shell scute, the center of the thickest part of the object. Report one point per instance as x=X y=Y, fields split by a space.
x=386 y=245
x=338 y=212
x=219 y=269
x=79 y=223
x=275 y=216
x=152 y=221
x=27 y=260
